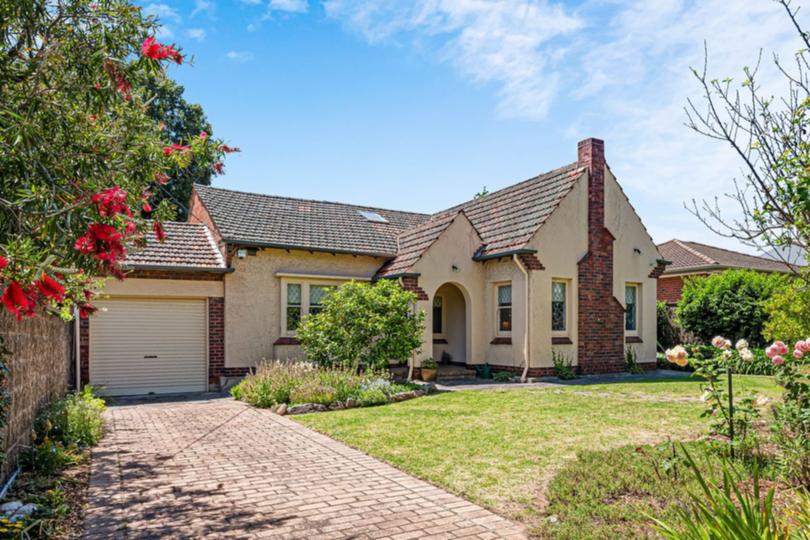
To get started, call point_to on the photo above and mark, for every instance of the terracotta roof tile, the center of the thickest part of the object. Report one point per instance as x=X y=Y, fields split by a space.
x=686 y=256
x=187 y=245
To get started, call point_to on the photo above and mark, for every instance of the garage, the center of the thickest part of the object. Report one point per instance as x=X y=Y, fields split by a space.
x=149 y=345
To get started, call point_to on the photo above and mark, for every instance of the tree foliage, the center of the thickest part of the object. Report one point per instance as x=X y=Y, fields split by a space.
x=788 y=313
x=772 y=140
x=731 y=303
x=363 y=326
x=80 y=154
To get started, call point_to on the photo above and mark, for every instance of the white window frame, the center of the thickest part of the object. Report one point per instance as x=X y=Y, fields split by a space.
x=637 y=331
x=567 y=330
x=305 y=287
x=440 y=335
x=498 y=331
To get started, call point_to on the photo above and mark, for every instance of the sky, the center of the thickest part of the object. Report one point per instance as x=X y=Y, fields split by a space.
x=419 y=104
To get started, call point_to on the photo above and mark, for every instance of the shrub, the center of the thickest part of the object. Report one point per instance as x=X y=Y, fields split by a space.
x=371 y=397
x=313 y=392
x=502 y=376
x=730 y=303
x=363 y=326
x=668 y=333
x=272 y=383
x=429 y=363
x=48 y=457
x=788 y=313
x=630 y=362
x=75 y=419
x=563 y=366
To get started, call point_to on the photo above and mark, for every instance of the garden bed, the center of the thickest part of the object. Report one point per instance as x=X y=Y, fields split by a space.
x=302 y=388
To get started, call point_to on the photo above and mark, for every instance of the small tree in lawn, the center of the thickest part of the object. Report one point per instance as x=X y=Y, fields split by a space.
x=80 y=154
x=363 y=326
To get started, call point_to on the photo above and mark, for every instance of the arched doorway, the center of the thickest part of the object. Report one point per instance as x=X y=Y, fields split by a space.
x=450 y=325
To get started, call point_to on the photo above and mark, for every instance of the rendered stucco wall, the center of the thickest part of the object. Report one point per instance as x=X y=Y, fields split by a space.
x=253 y=292
x=164 y=288
x=635 y=256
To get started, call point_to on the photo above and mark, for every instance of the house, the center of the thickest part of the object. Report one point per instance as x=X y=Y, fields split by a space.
x=689 y=259
x=559 y=264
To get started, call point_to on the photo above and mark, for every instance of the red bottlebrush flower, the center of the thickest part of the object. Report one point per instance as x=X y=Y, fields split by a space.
x=87 y=309
x=85 y=244
x=15 y=300
x=162 y=178
x=88 y=294
x=219 y=167
x=50 y=288
x=203 y=135
x=103 y=242
x=160 y=233
x=157 y=51
x=229 y=149
x=122 y=85
x=147 y=207
x=111 y=201
x=3 y=262
x=169 y=150
x=130 y=228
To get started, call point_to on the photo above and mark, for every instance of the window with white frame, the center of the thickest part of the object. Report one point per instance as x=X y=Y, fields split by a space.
x=631 y=308
x=438 y=314
x=559 y=306
x=504 y=298
x=294 y=306
x=317 y=293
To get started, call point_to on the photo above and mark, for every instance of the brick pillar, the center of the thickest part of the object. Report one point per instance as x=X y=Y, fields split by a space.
x=216 y=339
x=601 y=316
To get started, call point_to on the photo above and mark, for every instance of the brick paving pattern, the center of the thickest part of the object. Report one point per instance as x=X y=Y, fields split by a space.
x=221 y=469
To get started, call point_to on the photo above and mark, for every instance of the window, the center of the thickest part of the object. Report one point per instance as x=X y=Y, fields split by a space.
x=438 y=308
x=293 y=306
x=316 y=295
x=631 y=308
x=504 y=308
x=558 y=300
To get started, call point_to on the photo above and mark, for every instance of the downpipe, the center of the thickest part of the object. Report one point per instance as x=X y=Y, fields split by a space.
x=526 y=318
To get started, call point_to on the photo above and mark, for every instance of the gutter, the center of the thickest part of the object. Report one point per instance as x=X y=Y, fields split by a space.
x=400 y=275
x=235 y=242
x=509 y=253
x=527 y=316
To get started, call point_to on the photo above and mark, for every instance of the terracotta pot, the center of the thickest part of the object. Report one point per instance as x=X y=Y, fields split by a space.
x=429 y=374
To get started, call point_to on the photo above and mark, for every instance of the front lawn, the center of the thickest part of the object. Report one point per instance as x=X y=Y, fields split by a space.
x=501 y=448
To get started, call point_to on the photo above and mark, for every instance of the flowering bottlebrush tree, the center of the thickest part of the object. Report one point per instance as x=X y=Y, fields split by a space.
x=80 y=155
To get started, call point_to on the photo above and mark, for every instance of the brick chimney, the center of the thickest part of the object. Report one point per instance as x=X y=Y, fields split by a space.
x=601 y=316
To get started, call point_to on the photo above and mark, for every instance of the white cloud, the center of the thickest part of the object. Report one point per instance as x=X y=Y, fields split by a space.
x=251 y=2
x=203 y=6
x=509 y=43
x=196 y=33
x=162 y=12
x=290 y=6
x=239 y=56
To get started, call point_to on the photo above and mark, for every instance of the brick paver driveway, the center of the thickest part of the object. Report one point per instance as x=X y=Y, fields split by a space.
x=220 y=469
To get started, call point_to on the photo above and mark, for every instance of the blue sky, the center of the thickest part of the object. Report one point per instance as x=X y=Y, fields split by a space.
x=417 y=105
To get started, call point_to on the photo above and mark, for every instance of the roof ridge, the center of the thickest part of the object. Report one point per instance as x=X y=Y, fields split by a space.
x=695 y=252
x=213 y=244
x=735 y=252
x=301 y=199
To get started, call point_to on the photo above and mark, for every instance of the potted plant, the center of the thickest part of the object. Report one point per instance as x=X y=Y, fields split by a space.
x=429 y=369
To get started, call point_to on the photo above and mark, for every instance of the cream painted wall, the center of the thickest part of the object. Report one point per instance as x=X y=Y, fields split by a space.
x=254 y=298
x=166 y=288
x=629 y=266
x=454 y=327
x=560 y=243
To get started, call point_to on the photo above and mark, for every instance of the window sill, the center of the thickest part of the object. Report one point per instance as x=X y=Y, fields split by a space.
x=501 y=341
x=561 y=340
x=287 y=341
x=632 y=339
x=439 y=341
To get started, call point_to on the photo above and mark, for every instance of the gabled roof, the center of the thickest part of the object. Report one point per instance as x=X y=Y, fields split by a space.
x=187 y=246
x=688 y=257
x=271 y=221
x=506 y=219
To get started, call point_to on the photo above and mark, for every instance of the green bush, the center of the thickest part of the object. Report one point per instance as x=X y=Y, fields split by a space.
x=502 y=376
x=48 y=457
x=313 y=392
x=563 y=366
x=668 y=333
x=363 y=326
x=371 y=397
x=630 y=362
x=788 y=313
x=730 y=303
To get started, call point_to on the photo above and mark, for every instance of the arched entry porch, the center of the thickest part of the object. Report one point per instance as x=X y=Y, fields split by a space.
x=450 y=321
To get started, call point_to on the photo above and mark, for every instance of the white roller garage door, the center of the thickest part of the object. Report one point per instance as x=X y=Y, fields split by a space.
x=138 y=346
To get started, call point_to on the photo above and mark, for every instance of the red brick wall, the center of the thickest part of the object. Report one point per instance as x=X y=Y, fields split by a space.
x=601 y=316
x=198 y=213
x=411 y=283
x=669 y=289
x=216 y=339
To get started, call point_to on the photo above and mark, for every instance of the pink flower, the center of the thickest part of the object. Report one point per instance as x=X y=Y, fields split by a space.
x=797 y=354
x=770 y=352
x=803 y=346
x=778 y=360
x=719 y=342
x=203 y=135
x=780 y=347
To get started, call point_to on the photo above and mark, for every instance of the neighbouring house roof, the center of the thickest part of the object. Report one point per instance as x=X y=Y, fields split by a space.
x=686 y=257
x=271 y=221
x=188 y=246
x=505 y=219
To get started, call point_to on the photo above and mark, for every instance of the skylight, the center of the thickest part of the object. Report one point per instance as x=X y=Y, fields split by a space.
x=372 y=216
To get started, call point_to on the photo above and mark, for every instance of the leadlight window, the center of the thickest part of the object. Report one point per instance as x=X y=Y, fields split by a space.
x=558 y=297
x=317 y=293
x=438 y=313
x=631 y=308
x=505 y=308
x=293 y=306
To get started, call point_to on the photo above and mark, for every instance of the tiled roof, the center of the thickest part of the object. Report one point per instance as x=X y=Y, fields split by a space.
x=506 y=219
x=187 y=245
x=689 y=256
x=267 y=220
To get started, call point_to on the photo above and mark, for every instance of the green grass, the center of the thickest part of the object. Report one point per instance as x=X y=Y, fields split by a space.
x=501 y=449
